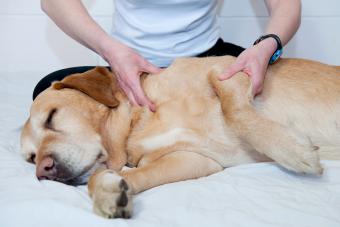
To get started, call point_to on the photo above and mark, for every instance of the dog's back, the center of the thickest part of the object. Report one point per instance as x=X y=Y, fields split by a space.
x=299 y=94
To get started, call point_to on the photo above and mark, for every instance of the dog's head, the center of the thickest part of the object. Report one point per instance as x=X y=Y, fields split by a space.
x=63 y=135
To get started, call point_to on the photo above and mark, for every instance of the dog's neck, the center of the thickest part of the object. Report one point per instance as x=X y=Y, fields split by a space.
x=115 y=130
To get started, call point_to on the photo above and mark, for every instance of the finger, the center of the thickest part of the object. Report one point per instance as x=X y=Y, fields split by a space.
x=128 y=92
x=257 y=82
x=259 y=91
x=131 y=98
x=141 y=98
x=150 y=68
x=232 y=70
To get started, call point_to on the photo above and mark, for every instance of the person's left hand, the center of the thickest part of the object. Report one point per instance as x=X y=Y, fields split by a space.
x=254 y=62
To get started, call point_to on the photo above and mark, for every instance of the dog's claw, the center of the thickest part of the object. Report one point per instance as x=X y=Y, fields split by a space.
x=112 y=198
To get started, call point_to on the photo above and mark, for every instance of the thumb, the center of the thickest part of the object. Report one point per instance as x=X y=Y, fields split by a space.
x=257 y=83
x=232 y=70
x=150 y=68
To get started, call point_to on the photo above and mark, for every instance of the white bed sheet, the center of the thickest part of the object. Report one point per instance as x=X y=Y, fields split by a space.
x=248 y=195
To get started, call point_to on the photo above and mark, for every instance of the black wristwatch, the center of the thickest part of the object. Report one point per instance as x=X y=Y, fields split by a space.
x=278 y=51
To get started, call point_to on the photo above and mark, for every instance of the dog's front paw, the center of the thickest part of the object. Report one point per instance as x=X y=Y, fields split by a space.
x=111 y=198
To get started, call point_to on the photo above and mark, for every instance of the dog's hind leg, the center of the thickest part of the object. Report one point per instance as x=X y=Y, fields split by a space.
x=290 y=149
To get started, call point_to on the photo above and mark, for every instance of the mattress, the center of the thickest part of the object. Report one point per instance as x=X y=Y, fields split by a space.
x=261 y=194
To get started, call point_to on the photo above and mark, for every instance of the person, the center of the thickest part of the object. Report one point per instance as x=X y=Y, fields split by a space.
x=149 y=35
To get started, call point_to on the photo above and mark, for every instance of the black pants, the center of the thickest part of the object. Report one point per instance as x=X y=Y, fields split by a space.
x=219 y=49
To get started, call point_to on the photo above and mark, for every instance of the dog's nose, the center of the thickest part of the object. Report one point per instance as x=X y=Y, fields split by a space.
x=46 y=170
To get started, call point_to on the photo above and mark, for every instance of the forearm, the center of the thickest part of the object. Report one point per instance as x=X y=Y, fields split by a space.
x=285 y=18
x=72 y=17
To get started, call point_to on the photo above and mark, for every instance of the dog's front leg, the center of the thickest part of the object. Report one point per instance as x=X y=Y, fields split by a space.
x=284 y=145
x=172 y=167
x=110 y=194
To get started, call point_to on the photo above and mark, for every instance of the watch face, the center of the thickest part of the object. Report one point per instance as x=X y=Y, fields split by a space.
x=275 y=56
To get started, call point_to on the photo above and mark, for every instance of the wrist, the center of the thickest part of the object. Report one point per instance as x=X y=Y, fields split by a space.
x=268 y=46
x=107 y=47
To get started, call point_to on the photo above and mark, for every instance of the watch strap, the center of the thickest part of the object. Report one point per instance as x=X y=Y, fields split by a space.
x=278 y=51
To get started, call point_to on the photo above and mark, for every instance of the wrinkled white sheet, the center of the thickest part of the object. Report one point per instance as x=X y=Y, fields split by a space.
x=249 y=195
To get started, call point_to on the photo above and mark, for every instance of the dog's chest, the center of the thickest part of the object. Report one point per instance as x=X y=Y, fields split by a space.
x=192 y=124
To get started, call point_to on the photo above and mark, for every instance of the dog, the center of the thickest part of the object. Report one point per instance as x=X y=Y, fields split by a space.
x=83 y=128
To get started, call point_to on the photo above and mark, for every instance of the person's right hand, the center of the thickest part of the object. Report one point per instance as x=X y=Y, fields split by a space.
x=73 y=18
x=128 y=66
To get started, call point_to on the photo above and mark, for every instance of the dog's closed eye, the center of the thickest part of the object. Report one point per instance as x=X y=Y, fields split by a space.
x=49 y=121
x=31 y=158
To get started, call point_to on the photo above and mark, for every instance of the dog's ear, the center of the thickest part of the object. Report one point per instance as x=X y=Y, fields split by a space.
x=98 y=83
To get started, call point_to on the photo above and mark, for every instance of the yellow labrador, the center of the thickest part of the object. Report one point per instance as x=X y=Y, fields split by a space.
x=84 y=126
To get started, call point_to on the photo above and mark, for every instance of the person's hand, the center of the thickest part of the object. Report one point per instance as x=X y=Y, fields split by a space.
x=254 y=62
x=128 y=66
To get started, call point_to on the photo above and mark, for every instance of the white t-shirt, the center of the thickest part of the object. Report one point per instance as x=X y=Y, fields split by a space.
x=161 y=30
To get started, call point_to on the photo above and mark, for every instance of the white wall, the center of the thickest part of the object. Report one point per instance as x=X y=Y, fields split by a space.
x=318 y=36
x=29 y=41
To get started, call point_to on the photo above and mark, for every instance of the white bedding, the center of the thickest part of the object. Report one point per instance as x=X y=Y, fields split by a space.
x=249 y=195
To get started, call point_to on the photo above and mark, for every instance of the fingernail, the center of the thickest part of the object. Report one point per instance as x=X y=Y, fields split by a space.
x=220 y=78
x=152 y=106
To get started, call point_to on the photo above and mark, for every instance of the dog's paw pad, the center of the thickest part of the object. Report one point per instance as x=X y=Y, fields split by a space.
x=112 y=198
